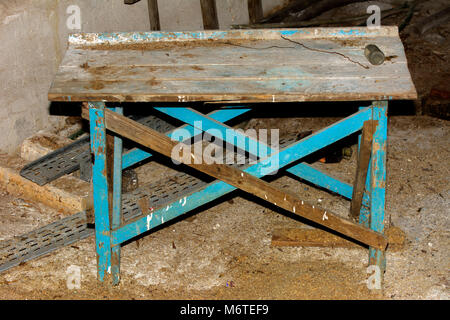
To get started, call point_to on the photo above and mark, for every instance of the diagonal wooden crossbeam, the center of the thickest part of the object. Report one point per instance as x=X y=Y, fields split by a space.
x=244 y=181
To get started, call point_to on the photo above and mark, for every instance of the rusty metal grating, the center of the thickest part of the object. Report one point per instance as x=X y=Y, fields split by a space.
x=69 y=158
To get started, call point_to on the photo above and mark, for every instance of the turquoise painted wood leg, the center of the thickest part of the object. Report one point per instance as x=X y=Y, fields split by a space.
x=100 y=187
x=117 y=203
x=378 y=181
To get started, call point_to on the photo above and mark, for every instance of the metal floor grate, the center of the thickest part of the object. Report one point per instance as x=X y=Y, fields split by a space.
x=69 y=158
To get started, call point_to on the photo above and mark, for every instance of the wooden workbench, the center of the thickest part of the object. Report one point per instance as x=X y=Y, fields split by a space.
x=238 y=66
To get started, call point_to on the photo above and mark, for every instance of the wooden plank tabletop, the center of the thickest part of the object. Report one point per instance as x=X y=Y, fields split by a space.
x=266 y=65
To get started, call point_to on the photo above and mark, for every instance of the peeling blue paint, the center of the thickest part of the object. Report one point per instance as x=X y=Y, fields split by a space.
x=351 y=32
x=121 y=37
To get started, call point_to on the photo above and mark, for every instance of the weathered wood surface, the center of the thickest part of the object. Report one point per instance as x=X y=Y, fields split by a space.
x=284 y=199
x=234 y=65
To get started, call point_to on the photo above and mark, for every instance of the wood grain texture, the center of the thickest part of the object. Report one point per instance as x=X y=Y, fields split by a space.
x=244 y=65
x=244 y=181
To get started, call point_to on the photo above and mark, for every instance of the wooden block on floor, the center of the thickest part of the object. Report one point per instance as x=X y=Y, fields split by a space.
x=302 y=237
x=41 y=144
x=67 y=194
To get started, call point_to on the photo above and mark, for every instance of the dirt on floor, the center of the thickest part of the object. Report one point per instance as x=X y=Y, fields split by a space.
x=225 y=252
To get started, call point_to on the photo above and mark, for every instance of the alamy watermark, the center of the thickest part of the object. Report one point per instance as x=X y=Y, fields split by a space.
x=374 y=20
x=73 y=22
x=374 y=280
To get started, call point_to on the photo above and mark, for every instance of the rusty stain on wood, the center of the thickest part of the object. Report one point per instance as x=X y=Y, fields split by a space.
x=110 y=171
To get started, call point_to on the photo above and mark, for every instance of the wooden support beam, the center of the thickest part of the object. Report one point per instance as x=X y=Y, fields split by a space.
x=255 y=11
x=362 y=166
x=244 y=181
x=153 y=14
x=319 y=7
x=209 y=14
x=110 y=178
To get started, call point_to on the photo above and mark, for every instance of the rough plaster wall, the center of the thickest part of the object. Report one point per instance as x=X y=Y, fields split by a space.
x=33 y=38
x=26 y=52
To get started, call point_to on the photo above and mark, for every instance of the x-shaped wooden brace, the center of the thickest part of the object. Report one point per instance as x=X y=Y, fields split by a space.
x=247 y=180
